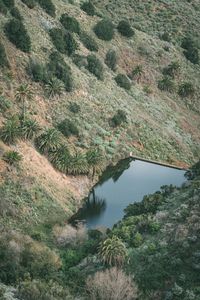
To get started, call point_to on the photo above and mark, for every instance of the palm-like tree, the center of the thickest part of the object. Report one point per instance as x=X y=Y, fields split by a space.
x=61 y=158
x=54 y=87
x=49 y=141
x=94 y=159
x=78 y=164
x=23 y=94
x=29 y=129
x=10 y=132
x=112 y=251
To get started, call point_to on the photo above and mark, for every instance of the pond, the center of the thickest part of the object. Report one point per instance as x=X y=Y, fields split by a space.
x=127 y=182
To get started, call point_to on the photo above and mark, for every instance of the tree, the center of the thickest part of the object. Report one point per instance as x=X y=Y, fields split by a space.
x=119 y=118
x=88 y=41
x=48 y=6
x=125 y=29
x=111 y=59
x=112 y=284
x=112 y=251
x=104 y=29
x=23 y=94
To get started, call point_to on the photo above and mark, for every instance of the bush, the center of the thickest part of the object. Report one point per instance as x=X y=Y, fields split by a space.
x=80 y=60
x=88 y=42
x=30 y=3
x=104 y=29
x=191 y=51
x=10 y=132
x=89 y=8
x=38 y=71
x=17 y=34
x=48 y=6
x=48 y=141
x=111 y=59
x=3 y=8
x=12 y=157
x=3 y=57
x=61 y=70
x=15 y=13
x=9 y=3
x=4 y=104
x=70 y=23
x=172 y=69
x=119 y=118
x=29 y=129
x=60 y=158
x=166 y=84
x=74 y=107
x=63 y=41
x=123 y=81
x=68 y=128
x=54 y=87
x=125 y=29
x=186 y=89
x=95 y=66
x=111 y=284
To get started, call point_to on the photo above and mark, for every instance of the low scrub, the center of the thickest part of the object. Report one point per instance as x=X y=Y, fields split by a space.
x=18 y=35
x=70 y=23
x=48 y=141
x=186 y=89
x=30 y=3
x=38 y=71
x=9 y=3
x=48 y=6
x=3 y=57
x=123 y=81
x=29 y=129
x=88 y=42
x=95 y=66
x=3 y=8
x=119 y=118
x=63 y=41
x=5 y=104
x=89 y=8
x=54 y=87
x=10 y=131
x=191 y=51
x=74 y=107
x=15 y=13
x=12 y=157
x=111 y=59
x=125 y=29
x=104 y=30
x=166 y=84
x=68 y=128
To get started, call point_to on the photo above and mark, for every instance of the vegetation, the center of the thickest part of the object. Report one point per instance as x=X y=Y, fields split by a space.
x=70 y=23
x=63 y=41
x=54 y=87
x=111 y=59
x=172 y=69
x=123 y=81
x=191 y=51
x=89 y=8
x=12 y=157
x=10 y=132
x=5 y=104
x=88 y=41
x=9 y=3
x=30 y=3
x=3 y=57
x=48 y=6
x=3 y=8
x=119 y=118
x=125 y=29
x=137 y=73
x=68 y=128
x=95 y=66
x=15 y=13
x=186 y=89
x=29 y=129
x=74 y=107
x=166 y=84
x=48 y=141
x=24 y=94
x=17 y=34
x=38 y=71
x=104 y=30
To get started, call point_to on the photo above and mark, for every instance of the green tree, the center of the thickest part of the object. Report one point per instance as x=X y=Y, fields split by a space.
x=70 y=23
x=104 y=29
x=125 y=29
x=23 y=94
x=112 y=251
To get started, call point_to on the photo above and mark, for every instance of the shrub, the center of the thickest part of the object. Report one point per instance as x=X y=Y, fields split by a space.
x=3 y=8
x=68 y=128
x=12 y=157
x=137 y=73
x=119 y=118
x=112 y=284
x=165 y=36
x=29 y=129
x=30 y=3
x=70 y=23
x=186 y=89
x=61 y=70
x=77 y=165
x=4 y=104
x=48 y=6
x=166 y=84
x=74 y=107
x=125 y=29
x=123 y=81
x=88 y=42
x=3 y=57
x=80 y=60
x=60 y=158
x=95 y=66
x=111 y=59
x=89 y=8
x=17 y=34
x=54 y=87
x=104 y=29
x=63 y=41
x=191 y=51
x=172 y=69
x=15 y=13
x=9 y=3
x=38 y=71
x=48 y=141
x=10 y=132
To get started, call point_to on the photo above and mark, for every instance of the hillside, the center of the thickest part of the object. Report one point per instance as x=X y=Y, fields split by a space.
x=78 y=91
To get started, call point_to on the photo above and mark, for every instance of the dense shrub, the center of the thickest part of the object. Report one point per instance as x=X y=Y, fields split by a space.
x=119 y=118
x=10 y=132
x=125 y=29
x=104 y=29
x=166 y=84
x=15 y=13
x=12 y=157
x=3 y=57
x=17 y=34
x=61 y=70
x=123 y=81
x=30 y=3
x=63 y=41
x=68 y=128
x=74 y=107
x=38 y=71
x=48 y=6
x=29 y=129
x=48 y=141
x=9 y=3
x=3 y=8
x=191 y=51
x=111 y=59
x=88 y=41
x=54 y=87
x=70 y=23
x=95 y=66
x=186 y=89
x=89 y=8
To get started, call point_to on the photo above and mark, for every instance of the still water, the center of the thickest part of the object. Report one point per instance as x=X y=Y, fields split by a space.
x=121 y=185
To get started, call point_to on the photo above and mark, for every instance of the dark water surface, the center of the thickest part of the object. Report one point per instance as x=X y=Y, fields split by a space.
x=121 y=185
